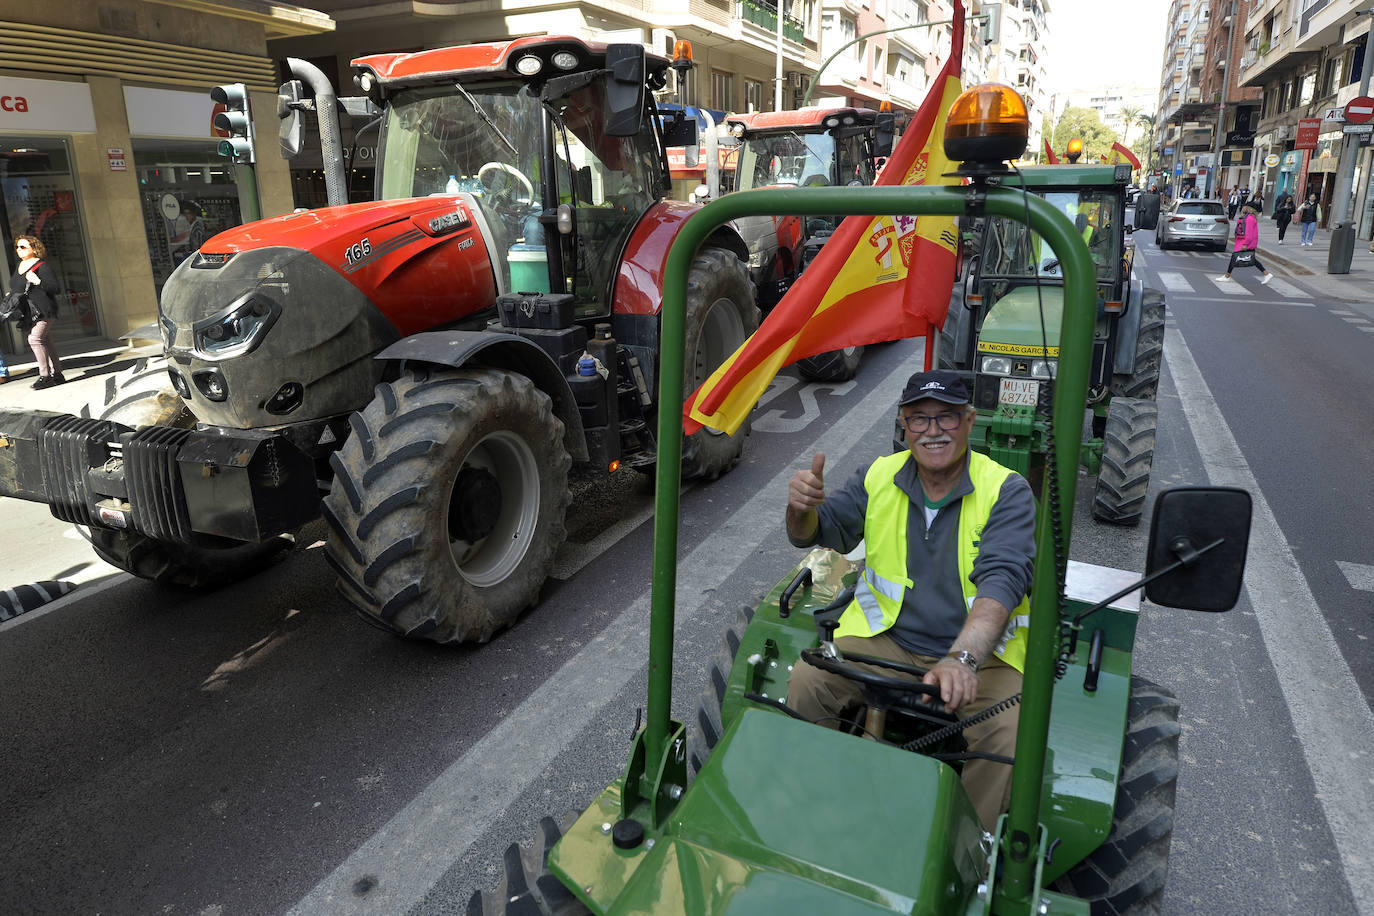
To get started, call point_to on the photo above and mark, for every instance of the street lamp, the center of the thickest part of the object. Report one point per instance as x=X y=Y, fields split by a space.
x=1342 y=250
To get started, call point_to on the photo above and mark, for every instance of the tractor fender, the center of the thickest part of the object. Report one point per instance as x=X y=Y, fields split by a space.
x=497 y=350
x=1128 y=327
x=639 y=282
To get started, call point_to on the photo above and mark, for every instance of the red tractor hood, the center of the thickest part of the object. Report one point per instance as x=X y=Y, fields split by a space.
x=423 y=261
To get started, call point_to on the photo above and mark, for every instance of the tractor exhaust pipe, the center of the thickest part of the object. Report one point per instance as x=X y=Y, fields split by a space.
x=327 y=115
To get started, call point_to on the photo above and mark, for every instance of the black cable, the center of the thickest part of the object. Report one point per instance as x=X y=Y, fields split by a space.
x=949 y=731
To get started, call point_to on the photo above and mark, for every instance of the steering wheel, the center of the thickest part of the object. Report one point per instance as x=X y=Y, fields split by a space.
x=505 y=194
x=881 y=691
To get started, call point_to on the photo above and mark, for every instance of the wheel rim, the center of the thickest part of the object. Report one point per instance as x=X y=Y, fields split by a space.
x=505 y=461
x=722 y=331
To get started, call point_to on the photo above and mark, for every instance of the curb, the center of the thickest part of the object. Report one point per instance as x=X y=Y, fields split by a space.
x=1293 y=267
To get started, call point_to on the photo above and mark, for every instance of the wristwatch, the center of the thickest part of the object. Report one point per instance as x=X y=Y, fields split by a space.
x=965 y=657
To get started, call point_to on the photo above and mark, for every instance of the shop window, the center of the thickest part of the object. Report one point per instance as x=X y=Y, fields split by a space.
x=180 y=181
x=41 y=201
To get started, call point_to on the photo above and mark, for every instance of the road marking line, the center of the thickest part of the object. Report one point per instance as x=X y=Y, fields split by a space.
x=1359 y=575
x=1330 y=715
x=1284 y=288
x=1354 y=320
x=409 y=854
x=1341 y=312
x=1174 y=280
x=1230 y=287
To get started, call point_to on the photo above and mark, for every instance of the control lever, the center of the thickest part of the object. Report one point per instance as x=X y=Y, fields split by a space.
x=828 y=638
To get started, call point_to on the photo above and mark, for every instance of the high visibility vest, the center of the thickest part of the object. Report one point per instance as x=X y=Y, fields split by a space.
x=878 y=595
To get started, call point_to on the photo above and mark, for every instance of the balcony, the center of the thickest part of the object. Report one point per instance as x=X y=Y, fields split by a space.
x=765 y=16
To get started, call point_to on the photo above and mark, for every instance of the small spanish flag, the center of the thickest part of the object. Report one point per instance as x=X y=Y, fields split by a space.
x=877 y=278
x=1050 y=157
x=1120 y=152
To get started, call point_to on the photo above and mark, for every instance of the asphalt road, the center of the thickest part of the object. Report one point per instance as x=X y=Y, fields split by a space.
x=260 y=750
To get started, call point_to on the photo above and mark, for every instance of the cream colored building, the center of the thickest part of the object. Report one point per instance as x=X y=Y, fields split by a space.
x=105 y=131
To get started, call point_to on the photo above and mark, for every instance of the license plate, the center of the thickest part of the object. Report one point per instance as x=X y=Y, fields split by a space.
x=1200 y=225
x=1019 y=392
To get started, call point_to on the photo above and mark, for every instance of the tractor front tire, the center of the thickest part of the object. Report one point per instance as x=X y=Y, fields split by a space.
x=1143 y=381
x=141 y=395
x=527 y=886
x=448 y=503
x=1126 y=874
x=185 y=565
x=704 y=738
x=720 y=316
x=833 y=366
x=1128 y=451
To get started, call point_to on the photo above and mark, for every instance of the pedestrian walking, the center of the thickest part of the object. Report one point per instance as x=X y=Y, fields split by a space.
x=38 y=281
x=1284 y=208
x=1309 y=214
x=1247 y=240
x=1233 y=203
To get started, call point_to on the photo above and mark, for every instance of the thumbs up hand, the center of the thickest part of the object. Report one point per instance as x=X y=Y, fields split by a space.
x=807 y=489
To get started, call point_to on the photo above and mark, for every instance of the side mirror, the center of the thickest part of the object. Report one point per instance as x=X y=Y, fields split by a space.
x=624 y=89
x=359 y=106
x=681 y=129
x=291 y=131
x=884 y=127
x=1207 y=531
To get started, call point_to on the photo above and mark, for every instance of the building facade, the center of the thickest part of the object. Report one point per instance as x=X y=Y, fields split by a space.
x=107 y=148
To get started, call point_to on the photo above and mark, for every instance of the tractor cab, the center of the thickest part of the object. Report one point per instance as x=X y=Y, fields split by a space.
x=551 y=138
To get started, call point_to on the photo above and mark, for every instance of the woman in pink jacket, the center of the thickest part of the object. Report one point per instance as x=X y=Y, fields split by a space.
x=1247 y=240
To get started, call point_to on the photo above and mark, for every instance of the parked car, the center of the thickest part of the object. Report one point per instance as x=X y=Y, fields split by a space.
x=1194 y=222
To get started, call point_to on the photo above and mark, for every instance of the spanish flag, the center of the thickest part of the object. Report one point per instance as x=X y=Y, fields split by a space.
x=877 y=278
x=1050 y=157
x=1119 y=152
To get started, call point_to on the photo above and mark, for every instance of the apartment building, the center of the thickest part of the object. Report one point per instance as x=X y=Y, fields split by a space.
x=1306 y=58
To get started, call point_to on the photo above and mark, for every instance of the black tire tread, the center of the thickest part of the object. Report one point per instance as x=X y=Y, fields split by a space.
x=1143 y=382
x=527 y=888
x=1128 y=447
x=387 y=509
x=715 y=273
x=831 y=366
x=1125 y=876
x=702 y=739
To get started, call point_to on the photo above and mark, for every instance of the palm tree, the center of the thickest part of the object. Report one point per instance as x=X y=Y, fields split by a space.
x=1148 y=121
x=1129 y=115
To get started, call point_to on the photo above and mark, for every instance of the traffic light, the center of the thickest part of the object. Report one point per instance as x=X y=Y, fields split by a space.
x=236 y=120
x=991 y=30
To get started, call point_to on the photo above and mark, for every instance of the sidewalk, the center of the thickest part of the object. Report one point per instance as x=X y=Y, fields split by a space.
x=86 y=364
x=1308 y=265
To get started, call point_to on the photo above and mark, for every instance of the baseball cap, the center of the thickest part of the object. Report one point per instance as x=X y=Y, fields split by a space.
x=940 y=384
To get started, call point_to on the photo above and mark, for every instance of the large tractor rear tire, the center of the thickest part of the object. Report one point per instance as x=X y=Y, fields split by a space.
x=142 y=395
x=720 y=316
x=704 y=738
x=527 y=886
x=833 y=366
x=448 y=502
x=1128 y=451
x=184 y=565
x=1126 y=874
x=1143 y=382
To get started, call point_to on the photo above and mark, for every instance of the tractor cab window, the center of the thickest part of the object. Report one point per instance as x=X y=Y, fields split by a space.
x=853 y=163
x=789 y=160
x=610 y=181
x=1011 y=250
x=481 y=138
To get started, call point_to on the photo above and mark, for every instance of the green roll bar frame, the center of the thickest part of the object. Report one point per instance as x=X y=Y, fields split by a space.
x=1021 y=833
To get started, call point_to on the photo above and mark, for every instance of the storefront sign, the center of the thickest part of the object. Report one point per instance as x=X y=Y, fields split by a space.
x=1270 y=161
x=1309 y=130
x=1240 y=137
x=117 y=163
x=169 y=113
x=1334 y=114
x=1292 y=161
x=49 y=105
x=1239 y=157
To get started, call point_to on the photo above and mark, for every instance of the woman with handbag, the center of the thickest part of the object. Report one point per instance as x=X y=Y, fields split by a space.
x=1243 y=253
x=38 y=281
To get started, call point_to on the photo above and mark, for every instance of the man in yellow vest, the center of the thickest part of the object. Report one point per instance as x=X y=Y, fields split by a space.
x=949 y=541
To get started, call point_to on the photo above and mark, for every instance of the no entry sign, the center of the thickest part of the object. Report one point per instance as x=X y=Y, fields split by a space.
x=1359 y=110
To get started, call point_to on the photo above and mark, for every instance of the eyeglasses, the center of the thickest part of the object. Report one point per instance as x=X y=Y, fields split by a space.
x=919 y=422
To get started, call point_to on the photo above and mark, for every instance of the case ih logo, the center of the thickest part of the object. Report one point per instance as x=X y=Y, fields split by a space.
x=14 y=103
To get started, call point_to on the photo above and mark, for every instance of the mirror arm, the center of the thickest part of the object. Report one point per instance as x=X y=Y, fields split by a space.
x=1186 y=557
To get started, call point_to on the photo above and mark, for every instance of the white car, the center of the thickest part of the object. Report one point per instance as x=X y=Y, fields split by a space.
x=1194 y=222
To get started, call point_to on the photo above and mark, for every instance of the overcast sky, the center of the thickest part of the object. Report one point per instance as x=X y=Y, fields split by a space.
x=1105 y=43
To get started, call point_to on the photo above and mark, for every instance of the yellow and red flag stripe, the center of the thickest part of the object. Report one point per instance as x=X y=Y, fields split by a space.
x=1050 y=157
x=1119 y=152
x=877 y=278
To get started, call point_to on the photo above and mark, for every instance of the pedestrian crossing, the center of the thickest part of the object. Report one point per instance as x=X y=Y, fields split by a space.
x=1244 y=283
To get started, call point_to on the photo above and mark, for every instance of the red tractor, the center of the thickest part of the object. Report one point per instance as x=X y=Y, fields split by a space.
x=808 y=147
x=425 y=370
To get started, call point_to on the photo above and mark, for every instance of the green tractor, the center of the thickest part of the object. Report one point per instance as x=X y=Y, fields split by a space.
x=755 y=811
x=1006 y=337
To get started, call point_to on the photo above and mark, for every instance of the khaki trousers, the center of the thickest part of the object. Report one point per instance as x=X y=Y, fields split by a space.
x=815 y=694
